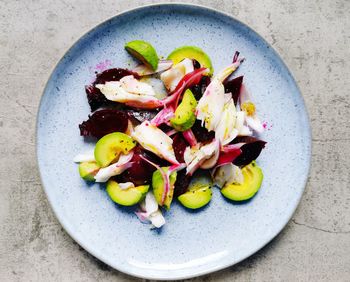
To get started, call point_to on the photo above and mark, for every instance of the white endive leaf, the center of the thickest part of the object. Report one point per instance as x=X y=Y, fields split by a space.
x=151 y=204
x=211 y=105
x=126 y=185
x=198 y=157
x=254 y=123
x=240 y=126
x=163 y=65
x=228 y=174
x=157 y=219
x=225 y=131
x=172 y=77
x=114 y=169
x=85 y=157
x=150 y=211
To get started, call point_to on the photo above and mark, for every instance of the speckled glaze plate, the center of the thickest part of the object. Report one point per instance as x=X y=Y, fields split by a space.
x=191 y=243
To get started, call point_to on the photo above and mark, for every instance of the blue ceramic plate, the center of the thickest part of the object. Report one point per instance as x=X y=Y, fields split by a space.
x=191 y=243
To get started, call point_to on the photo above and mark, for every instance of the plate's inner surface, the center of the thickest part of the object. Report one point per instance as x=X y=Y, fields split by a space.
x=191 y=242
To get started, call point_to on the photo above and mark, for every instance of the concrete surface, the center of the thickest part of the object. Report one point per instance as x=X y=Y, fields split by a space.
x=312 y=37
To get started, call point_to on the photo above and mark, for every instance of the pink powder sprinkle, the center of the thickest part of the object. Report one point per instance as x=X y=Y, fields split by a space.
x=103 y=65
x=266 y=125
x=100 y=67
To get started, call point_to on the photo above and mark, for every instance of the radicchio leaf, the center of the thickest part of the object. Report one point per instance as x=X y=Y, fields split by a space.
x=201 y=133
x=199 y=88
x=235 y=57
x=113 y=75
x=179 y=145
x=103 y=122
x=196 y=64
x=181 y=183
x=250 y=150
x=140 y=172
x=95 y=98
x=233 y=86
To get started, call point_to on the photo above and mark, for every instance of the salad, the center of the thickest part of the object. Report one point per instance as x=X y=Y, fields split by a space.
x=171 y=129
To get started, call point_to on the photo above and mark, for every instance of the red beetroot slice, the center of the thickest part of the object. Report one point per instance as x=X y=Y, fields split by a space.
x=228 y=157
x=199 y=89
x=201 y=133
x=179 y=146
x=233 y=86
x=113 y=75
x=95 y=98
x=140 y=172
x=103 y=122
x=181 y=183
x=250 y=151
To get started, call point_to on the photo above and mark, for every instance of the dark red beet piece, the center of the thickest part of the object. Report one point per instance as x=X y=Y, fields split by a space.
x=235 y=57
x=95 y=98
x=113 y=75
x=181 y=183
x=165 y=128
x=198 y=89
x=233 y=86
x=250 y=151
x=140 y=172
x=196 y=64
x=103 y=122
x=201 y=133
x=179 y=145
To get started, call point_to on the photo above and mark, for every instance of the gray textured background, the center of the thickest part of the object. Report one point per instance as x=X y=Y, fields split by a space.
x=314 y=40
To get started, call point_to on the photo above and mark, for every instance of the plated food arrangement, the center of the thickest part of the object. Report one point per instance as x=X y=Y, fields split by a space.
x=172 y=129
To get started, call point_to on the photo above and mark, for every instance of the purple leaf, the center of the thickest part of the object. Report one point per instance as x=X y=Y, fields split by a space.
x=250 y=150
x=181 y=183
x=233 y=86
x=201 y=133
x=103 y=122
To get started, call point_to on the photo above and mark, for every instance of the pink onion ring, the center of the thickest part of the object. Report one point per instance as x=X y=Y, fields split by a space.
x=188 y=80
x=231 y=147
x=164 y=175
x=163 y=116
x=171 y=132
x=190 y=137
x=228 y=157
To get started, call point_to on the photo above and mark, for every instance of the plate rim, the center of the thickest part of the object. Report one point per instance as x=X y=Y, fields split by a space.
x=223 y=264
